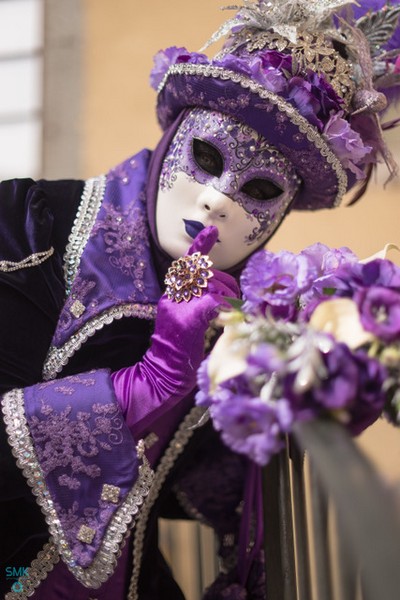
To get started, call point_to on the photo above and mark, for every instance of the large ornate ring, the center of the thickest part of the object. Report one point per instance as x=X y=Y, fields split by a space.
x=187 y=277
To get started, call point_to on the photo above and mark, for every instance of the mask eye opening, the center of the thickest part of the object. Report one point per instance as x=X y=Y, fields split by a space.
x=207 y=157
x=261 y=189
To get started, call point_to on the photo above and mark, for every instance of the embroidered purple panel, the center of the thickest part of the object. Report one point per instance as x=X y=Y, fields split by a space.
x=82 y=442
x=115 y=267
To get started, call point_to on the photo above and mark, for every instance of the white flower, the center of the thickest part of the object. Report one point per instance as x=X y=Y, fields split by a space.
x=228 y=357
x=340 y=318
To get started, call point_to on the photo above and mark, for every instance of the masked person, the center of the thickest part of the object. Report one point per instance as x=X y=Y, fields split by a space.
x=98 y=365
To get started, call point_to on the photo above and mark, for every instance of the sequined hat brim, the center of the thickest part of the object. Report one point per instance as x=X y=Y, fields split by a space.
x=324 y=179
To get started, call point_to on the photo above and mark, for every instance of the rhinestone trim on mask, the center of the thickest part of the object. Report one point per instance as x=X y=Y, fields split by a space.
x=175 y=448
x=246 y=154
x=105 y=559
x=283 y=106
x=91 y=199
x=57 y=358
x=40 y=567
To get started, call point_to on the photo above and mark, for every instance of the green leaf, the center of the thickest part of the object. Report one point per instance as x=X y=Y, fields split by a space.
x=329 y=291
x=236 y=303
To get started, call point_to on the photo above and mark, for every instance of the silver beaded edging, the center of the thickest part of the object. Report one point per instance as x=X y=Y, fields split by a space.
x=175 y=448
x=40 y=567
x=105 y=559
x=283 y=106
x=91 y=199
x=57 y=358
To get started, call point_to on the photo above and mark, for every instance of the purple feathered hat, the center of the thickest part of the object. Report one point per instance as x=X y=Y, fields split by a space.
x=306 y=74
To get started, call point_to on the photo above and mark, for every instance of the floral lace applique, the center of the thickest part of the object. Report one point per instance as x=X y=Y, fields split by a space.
x=72 y=519
x=265 y=106
x=230 y=104
x=66 y=443
x=85 y=379
x=125 y=234
x=308 y=163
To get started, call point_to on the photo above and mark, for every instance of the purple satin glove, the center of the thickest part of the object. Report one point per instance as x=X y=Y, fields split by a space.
x=167 y=372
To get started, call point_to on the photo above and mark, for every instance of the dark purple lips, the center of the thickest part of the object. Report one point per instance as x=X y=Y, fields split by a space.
x=192 y=228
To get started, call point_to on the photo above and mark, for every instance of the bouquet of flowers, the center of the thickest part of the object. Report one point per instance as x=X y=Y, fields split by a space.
x=316 y=335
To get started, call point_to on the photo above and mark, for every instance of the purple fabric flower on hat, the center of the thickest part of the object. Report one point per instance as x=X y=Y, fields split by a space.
x=314 y=98
x=277 y=60
x=346 y=143
x=170 y=56
x=301 y=94
x=275 y=280
x=269 y=77
x=380 y=312
x=326 y=95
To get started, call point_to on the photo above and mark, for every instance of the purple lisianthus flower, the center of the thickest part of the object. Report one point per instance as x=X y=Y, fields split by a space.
x=350 y=277
x=338 y=390
x=203 y=382
x=346 y=143
x=264 y=358
x=275 y=280
x=326 y=260
x=170 y=56
x=380 y=312
x=252 y=427
x=370 y=395
x=380 y=272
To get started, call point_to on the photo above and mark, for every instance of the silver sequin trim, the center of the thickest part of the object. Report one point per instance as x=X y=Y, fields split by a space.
x=57 y=358
x=168 y=460
x=105 y=559
x=92 y=197
x=36 y=573
x=304 y=126
x=6 y=266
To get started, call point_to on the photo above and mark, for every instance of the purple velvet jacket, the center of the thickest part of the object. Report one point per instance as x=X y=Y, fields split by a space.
x=92 y=480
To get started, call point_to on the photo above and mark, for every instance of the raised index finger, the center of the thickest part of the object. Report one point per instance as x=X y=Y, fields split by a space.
x=205 y=240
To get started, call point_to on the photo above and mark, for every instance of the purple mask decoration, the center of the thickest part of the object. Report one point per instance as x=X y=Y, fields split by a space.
x=217 y=150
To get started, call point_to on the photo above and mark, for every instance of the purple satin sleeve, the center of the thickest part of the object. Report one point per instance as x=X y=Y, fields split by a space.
x=167 y=372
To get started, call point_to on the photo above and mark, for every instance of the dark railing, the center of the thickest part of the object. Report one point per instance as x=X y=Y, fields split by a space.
x=332 y=526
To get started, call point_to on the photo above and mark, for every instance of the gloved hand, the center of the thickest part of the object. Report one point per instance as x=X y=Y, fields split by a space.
x=167 y=372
